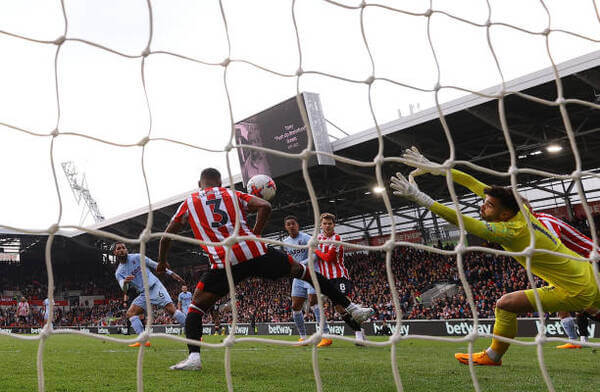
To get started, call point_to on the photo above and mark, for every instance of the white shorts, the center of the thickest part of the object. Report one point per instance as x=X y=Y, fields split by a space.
x=301 y=288
x=159 y=296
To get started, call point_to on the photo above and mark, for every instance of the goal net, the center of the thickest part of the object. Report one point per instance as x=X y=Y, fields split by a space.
x=370 y=60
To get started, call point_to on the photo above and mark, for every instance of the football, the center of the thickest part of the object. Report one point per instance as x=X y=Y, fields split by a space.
x=262 y=186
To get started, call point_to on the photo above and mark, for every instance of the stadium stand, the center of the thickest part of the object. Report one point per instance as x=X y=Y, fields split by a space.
x=415 y=271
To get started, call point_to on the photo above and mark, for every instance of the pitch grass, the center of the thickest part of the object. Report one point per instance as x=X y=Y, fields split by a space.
x=76 y=363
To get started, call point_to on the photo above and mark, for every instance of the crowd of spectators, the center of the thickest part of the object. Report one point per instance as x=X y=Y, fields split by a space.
x=413 y=272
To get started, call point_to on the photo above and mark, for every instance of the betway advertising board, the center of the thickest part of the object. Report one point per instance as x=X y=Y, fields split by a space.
x=527 y=328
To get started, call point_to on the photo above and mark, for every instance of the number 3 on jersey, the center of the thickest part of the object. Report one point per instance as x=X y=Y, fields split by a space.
x=220 y=217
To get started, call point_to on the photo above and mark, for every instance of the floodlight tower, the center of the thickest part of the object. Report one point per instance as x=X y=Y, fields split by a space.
x=81 y=192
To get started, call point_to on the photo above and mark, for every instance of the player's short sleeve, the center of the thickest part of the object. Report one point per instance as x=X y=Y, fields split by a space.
x=181 y=216
x=120 y=277
x=244 y=198
x=305 y=236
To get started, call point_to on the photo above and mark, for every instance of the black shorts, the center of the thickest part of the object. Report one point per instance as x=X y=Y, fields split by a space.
x=272 y=265
x=344 y=285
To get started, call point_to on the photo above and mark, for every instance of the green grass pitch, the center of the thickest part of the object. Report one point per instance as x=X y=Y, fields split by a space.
x=76 y=363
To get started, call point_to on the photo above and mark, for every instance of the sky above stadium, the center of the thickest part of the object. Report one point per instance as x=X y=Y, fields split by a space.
x=102 y=96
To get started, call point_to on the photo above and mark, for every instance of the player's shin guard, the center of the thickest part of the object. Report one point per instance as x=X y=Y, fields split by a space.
x=506 y=326
x=193 y=327
x=317 y=313
x=351 y=322
x=299 y=320
x=568 y=324
x=180 y=317
x=136 y=323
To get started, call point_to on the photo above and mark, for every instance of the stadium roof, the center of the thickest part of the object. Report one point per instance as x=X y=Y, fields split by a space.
x=475 y=127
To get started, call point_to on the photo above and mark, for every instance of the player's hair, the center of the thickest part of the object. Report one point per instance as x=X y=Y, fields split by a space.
x=114 y=246
x=210 y=174
x=327 y=215
x=287 y=218
x=504 y=195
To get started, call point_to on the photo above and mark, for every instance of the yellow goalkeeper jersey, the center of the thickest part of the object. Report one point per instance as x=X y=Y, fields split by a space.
x=574 y=277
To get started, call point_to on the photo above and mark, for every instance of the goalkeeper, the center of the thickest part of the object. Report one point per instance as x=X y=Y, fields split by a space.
x=571 y=283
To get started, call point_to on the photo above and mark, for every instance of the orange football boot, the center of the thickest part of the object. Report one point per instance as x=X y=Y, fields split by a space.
x=479 y=359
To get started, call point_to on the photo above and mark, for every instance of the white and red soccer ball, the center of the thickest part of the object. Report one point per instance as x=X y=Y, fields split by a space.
x=262 y=186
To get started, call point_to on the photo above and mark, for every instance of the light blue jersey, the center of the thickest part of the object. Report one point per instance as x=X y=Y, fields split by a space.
x=46 y=308
x=132 y=267
x=185 y=299
x=299 y=255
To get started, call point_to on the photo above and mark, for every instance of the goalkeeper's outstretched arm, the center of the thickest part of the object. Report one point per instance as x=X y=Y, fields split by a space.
x=423 y=165
x=491 y=231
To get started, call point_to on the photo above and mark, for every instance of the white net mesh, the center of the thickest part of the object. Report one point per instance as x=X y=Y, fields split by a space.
x=377 y=163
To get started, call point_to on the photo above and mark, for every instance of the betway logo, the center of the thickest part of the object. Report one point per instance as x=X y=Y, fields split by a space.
x=279 y=329
x=241 y=330
x=103 y=331
x=556 y=328
x=173 y=330
x=5 y=330
x=465 y=328
x=36 y=330
x=336 y=329
x=84 y=330
x=403 y=329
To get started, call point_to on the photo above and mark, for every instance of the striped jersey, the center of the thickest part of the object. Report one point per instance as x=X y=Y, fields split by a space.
x=330 y=261
x=210 y=213
x=569 y=236
x=23 y=309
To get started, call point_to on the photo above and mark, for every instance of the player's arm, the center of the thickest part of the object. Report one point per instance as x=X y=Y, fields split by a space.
x=154 y=265
x=496 y=232
x=263 y=211
x=415 y=159
x=469 y=182
x=124 y=281
x=331 y=256
x=490 y=231
x=174 y=227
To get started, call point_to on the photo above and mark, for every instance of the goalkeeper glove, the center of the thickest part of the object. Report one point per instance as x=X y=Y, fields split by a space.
x=403 y=188
x=423 y=165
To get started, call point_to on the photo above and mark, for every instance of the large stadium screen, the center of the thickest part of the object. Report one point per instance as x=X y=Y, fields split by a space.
x=281 y=128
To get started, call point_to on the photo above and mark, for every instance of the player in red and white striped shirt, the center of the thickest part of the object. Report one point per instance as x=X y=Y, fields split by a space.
x=330 y=262
x=570 y=236
x=211 y=214
x=580 y=244
x=23 y=311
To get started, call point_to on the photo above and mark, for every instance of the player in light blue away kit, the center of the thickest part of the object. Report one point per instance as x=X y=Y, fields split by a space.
x=46 y=310
x=300 y=288
x=184 y=299
x=129 y=273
